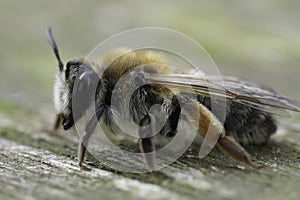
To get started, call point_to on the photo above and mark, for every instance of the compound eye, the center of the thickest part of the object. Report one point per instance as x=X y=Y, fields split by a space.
x=85 y=80
x=84 y=90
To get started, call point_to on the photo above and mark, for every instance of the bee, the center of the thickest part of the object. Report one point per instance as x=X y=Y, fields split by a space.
x=250 y=108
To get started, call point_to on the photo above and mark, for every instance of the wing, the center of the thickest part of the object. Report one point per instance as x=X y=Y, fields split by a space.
x=233 y=89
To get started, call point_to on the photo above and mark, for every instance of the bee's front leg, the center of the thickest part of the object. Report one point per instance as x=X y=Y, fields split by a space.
x=89 y=130
x=57 y=122
x=54 y=129
x=146 y=144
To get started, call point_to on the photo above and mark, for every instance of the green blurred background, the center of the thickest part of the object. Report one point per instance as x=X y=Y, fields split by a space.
x=254 y=40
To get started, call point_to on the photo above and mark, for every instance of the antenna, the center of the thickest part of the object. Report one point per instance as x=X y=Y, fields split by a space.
x=54 y=47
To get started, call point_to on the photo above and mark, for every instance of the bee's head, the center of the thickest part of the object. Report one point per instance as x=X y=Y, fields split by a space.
x=63 y=89
x=71 y=83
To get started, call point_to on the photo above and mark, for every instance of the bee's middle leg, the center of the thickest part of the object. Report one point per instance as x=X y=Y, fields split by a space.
x=146 y=142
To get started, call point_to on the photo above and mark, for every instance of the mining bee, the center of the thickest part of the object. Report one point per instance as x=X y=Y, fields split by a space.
x=249 y=107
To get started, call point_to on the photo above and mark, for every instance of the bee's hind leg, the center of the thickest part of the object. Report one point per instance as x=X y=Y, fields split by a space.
x=232 y=148
x=213 y=132
x=89 y=130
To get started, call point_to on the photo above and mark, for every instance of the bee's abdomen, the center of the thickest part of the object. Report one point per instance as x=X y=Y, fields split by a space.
x=247 y=125
x=250 y=128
